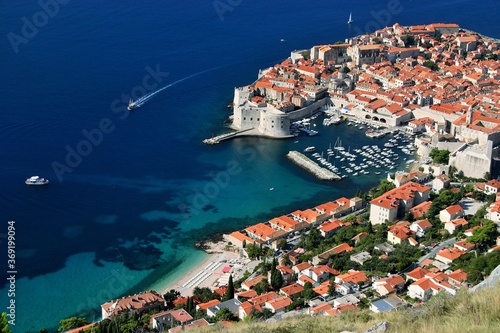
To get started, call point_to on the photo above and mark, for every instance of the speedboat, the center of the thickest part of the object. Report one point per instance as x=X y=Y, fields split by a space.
x=131 y=105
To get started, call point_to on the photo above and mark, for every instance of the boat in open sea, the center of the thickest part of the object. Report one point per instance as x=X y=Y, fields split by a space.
x=131 y=105
x=35 y=180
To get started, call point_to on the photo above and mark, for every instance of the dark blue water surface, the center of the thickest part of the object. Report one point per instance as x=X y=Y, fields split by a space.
x=124 y=216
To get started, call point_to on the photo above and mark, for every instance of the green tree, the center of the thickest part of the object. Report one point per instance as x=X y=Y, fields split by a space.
x=261 y=287
x=483 y=235
x=190 y=306
x=230 y=288
x=440 y=156
x=474 y=276
x=308 y=291
x=432 y=65
x=70 y=323
x=285 y=260
x=408 y=40
x=383 y=187
x=253 y=250
x=205 y=294
x=4 y=324
x=171 y=296
x=223 y=314
x=331 y=290
x=276 y=277
x=282 y=244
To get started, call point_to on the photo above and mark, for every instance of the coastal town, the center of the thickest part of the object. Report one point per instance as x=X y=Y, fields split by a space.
x=430 y=230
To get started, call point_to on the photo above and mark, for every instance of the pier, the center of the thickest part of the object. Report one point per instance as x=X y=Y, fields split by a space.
x=217 y=139
x=311 y=166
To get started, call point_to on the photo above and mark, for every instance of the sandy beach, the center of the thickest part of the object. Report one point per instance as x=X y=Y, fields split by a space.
x=214 y=271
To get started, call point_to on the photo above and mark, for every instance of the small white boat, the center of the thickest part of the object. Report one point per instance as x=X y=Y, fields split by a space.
x=131 y=105
x=271 y=189
x=350 y=19
x=35 y=180
x=310 y=149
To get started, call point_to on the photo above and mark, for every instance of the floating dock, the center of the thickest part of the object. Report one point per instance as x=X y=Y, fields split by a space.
x=311 y=166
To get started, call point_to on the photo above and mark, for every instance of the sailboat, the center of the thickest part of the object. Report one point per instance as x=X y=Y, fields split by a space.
x=350 y=19
x=131 y=105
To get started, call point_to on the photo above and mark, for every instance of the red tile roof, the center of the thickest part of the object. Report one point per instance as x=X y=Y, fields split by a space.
x=391 y=198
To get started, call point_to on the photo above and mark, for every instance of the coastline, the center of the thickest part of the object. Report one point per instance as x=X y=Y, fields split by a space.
x=212 y=271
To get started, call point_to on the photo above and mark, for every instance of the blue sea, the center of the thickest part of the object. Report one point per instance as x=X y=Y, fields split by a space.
x=131 y=192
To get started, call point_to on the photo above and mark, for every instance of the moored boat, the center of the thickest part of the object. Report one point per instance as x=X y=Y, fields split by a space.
x=36 y=180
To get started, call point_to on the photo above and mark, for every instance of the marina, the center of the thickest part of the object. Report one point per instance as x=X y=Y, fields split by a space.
x=351 y=156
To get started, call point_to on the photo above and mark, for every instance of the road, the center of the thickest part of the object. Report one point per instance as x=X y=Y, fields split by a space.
x=436 y=249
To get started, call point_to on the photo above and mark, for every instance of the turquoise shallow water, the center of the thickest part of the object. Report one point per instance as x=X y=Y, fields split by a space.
x=126 y=216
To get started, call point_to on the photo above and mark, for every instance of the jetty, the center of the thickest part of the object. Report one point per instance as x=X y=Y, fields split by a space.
x=217 y=139
x=311 y=166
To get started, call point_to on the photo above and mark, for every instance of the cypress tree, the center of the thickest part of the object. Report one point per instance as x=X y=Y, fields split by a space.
x=230 y=288
x=189 y=305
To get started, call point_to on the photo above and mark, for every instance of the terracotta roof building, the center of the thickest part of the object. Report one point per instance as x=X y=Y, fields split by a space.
x=138 y=303
x=396 y=202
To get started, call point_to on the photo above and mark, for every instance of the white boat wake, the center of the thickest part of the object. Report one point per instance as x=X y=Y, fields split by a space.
x=140 y=101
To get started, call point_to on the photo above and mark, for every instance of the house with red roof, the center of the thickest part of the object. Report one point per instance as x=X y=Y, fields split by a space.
x=455 y=225
x=279 y=304
x=160 y=321
x=327 y=208
x=448 y=255
x=256 y=303
x=287 y=224
x=250 y=283
x=421 y=209
x=341 y=248
x=465 y=246
x=137 y=303
x=492 y=186
x=420 y=227
x=292 y=291
x=457 y=278
x=206 y=305
x=493 y=211
x=398 y=201
x=451 y=213
x=317 y=274
x=238 y=239
x=323 y=289
x=297 y=269
x=193 y=325
x=399 y=233
x=351 y=276
x=416 y=274
x=387 y=285
x=245 y=295
x=423 y=289
x=329 y=228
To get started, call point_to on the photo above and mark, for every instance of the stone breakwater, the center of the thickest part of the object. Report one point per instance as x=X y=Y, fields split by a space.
x=311 y=166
